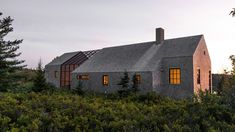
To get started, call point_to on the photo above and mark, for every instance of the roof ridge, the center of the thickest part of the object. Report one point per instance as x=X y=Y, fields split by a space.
x=128 y=44
x=152 y=41
x=185 y=37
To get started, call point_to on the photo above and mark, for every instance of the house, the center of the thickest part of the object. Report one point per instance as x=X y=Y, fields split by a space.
x=58 y=71
x=176 y=67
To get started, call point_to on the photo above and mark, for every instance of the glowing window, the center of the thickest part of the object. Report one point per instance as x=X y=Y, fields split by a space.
x=105 y=80
x=138 y=78
x=174 y=77
x=83 y=77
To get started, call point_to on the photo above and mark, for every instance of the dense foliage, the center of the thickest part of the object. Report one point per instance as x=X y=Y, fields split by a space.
x=8 y=55
x=64 y=111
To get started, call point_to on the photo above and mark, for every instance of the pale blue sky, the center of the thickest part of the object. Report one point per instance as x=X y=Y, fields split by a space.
x=52 y=27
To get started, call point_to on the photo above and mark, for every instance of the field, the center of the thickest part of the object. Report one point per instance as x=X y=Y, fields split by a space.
x=66 y=111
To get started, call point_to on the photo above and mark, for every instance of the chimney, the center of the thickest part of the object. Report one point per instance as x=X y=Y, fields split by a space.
x=159 y=35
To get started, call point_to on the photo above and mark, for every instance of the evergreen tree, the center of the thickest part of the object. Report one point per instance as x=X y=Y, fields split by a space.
x=79 y=88
x=39 y=81
x=135 y=84
x=124 y=83
x=8 y=55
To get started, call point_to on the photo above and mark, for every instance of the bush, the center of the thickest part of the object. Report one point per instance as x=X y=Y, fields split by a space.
x=66 y=111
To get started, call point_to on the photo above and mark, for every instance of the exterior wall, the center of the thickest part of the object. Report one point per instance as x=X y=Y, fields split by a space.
x=50 y=74
x=182 y=90
x=95 y=81
x=202 y=61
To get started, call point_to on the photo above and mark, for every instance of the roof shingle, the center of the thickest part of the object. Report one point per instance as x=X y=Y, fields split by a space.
x=139 y=57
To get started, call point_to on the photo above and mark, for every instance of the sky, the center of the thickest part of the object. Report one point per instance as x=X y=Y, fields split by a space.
x=50 y=28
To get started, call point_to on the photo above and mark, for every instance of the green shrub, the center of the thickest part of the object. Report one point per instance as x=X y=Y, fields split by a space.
x=66 y=111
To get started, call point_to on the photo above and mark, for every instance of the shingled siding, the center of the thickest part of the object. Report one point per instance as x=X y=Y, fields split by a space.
x=185 y=88
x=50 y=74
x=95 y=81
x=201 y=59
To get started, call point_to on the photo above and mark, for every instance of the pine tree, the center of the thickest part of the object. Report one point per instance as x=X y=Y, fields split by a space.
x=39 y=81
x=79 y=88
x=124 y=83
x=8 y=55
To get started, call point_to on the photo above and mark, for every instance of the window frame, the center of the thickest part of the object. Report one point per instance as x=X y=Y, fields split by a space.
x=83 y=77
x=198 y=76
x=105 y=80
x=56 y=74
x=210 y=79
x=175 y=76
x=138 y=78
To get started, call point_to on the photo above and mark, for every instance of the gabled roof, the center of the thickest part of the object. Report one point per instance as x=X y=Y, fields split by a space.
x=139 y=57
x=90 y=53
x=63 y=58
x=67 y=56
x=80 y=57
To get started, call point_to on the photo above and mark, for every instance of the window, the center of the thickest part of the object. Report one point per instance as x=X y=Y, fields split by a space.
x=198 y=76
x=210 y=81
x=137 y=78
x=83 y=77
x=105 y=80
x=174 y=77
x=65 y=78
x=56 y=74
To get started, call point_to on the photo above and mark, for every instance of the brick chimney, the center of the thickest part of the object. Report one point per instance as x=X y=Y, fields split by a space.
x=159 y=35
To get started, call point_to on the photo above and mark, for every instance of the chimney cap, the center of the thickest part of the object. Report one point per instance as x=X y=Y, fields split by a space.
x=159 y=28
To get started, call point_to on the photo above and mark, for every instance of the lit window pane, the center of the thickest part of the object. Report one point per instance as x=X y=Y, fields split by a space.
x=83 y=77
x=174 y=77
x=137 y=78
x=105 y=80
x=178 y=76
